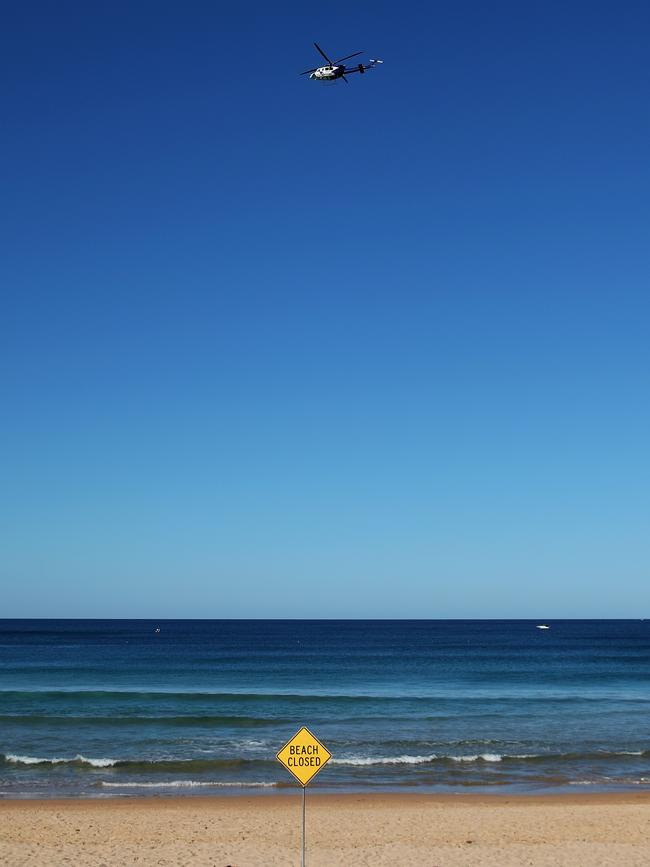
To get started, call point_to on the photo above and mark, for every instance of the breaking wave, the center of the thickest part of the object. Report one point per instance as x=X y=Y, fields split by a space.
x=416 y=760
x=483 y=757
x=186 y=784
x=77 y=760
x=167 y=765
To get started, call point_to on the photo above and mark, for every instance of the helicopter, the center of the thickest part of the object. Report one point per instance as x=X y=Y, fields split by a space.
x=335 y=69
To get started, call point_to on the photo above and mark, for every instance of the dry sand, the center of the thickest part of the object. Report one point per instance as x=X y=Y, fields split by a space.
x=433 y=831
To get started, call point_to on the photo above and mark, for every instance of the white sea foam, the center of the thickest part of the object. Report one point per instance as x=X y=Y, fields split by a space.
x=36 y=760
x=185 y=784
x=384 y=760
x=97 y=763
x=423 y=760
x=486 y=757
x=31 y=760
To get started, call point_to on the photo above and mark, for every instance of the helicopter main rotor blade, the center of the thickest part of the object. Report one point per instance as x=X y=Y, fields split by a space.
x=356 y=54
x=320 y=51
x=345 y=79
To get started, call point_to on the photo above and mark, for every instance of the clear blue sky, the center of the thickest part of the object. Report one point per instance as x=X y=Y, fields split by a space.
x=275 y=348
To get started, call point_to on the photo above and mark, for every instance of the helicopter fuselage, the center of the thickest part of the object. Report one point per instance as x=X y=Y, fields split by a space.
x=328 y=73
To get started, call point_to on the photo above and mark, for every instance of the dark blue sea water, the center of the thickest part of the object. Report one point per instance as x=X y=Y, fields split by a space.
x=115 y=707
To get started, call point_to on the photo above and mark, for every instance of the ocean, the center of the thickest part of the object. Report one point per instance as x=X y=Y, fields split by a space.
x=104 y=708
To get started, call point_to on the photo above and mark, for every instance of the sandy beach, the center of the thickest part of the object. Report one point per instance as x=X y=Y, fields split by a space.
x=437 y=831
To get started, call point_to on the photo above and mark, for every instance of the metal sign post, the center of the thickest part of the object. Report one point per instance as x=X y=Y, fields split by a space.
x=304 y=756
x=302 y=859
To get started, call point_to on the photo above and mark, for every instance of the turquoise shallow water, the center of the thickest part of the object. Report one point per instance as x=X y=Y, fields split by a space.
x=105 y=708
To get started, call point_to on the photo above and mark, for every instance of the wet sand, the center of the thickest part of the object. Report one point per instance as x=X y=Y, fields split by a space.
x=578 y=830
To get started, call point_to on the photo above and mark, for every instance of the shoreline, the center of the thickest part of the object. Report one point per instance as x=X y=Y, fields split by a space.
x=288 y=797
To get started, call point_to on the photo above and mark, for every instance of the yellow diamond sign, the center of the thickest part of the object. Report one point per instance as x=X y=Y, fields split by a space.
x=304 y=756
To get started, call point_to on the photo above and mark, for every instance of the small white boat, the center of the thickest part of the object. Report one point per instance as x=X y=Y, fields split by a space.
x=543 y=626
